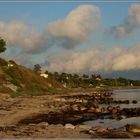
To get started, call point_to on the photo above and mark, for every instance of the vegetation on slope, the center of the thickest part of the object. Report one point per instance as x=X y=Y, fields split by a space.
x=23 y=78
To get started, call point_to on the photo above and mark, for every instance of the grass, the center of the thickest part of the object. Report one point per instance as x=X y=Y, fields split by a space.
x=57 y=91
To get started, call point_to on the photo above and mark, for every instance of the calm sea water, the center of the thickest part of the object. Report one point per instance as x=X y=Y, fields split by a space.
x=133 y=94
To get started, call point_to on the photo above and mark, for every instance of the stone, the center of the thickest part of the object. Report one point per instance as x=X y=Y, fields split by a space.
x=85 y=127
x=91 y=132
x=82 y=108
x=134 y=102
x=41 y=105
x=97 y=110
x=43 y=125
x=134 y=128
x=69 y=126
x=101 y=130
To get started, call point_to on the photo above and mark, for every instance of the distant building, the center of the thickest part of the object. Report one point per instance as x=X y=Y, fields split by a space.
x=10 y=65
x=64 y=85
x=44 y=75
x=98 y=78
x=131 y=84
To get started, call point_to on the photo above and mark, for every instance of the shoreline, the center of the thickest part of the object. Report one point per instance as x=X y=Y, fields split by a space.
x=57 y=116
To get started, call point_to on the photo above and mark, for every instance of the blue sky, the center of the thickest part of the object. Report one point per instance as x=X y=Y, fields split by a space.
x=46 y=11
x=47 y=34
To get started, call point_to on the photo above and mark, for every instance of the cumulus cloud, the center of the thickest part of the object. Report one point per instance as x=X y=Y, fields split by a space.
x=76 y=27
x=130 y=24
x=67 y=32
x=95 y=59
x=17 y=34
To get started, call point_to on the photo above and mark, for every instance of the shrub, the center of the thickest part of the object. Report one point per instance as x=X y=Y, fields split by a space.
x=15 y=81
x=3 y=62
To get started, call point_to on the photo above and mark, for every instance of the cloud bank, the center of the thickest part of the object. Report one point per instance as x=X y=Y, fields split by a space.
x=95 y=59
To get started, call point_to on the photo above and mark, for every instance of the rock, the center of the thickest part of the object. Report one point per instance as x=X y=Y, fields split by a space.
x=31 y=124
x=101 y=130
x=91 y=109
x=134 y=102
x=82 y=108
x=114 y=110
x=126 y=101
x=85 y=127
x=75 y=107
x=123 y=117
x=97 y=110
x=41 y=105
x=104 y=110
x=69 y=126
x=59 y=125
x=91 y=132
x=11 y=86
x=134 y=128
x=109 y=108
x=43 y=125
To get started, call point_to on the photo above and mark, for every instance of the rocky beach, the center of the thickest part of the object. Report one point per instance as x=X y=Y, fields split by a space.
x=63 y=116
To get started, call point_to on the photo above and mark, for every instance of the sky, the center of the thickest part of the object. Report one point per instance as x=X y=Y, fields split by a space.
x=74 y=37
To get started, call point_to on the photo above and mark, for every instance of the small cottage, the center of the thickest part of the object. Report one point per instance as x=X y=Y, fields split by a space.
x=44 y=75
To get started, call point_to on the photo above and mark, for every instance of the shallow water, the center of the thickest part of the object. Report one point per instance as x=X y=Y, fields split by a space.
x=111 y=123
x=120 y=95
x=126 y=95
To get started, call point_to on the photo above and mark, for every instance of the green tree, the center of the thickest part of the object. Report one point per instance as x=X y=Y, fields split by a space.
x=37 y=68
x=2 y=45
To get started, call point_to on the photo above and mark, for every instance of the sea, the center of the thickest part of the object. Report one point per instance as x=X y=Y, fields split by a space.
x=128 y=94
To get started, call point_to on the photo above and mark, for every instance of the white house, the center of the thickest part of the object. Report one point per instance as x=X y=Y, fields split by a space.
x=10 y=65
x=44 y=75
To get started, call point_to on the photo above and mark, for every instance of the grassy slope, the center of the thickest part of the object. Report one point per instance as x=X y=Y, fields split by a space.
x=24 y=78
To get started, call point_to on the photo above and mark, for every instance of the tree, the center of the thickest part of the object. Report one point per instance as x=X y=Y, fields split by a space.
x=2 y=45
x=37 y=68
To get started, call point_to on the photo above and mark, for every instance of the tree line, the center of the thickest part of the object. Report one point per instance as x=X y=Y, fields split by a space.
x=85 y=80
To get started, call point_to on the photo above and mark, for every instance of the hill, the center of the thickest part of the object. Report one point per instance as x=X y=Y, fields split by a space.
x=14 y=77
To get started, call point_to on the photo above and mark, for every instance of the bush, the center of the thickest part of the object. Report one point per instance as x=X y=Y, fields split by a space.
x=15 y=81
x=3 y=62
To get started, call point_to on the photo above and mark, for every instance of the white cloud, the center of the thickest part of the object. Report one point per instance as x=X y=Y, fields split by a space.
x=132 y=22
x=17 y=34
x=68 y=32
x=76 y=27
x=95 y=59
x=12 y=32
x=134 y=14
